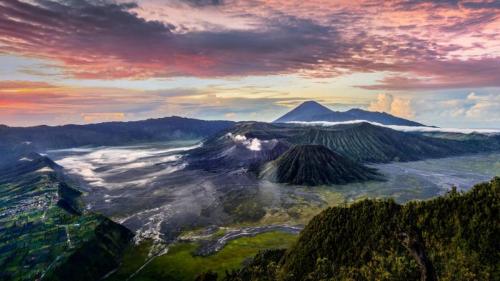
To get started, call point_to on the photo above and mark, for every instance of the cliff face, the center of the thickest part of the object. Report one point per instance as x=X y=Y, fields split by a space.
x=96 y=257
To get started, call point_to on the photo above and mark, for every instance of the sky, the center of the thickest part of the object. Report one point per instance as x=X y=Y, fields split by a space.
x=87 y=61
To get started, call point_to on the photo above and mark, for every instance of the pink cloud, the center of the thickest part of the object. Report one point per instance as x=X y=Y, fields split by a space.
x=455 y=47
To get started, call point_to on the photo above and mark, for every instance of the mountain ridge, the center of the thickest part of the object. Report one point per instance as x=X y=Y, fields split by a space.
x=361 y=142
x=111 y=133
x=313 y=111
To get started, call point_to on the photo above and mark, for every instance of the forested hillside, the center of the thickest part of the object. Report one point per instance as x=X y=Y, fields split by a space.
x=44 y=232
x=453 y=237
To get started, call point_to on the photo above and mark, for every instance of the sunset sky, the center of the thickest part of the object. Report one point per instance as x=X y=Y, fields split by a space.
x=85 y=61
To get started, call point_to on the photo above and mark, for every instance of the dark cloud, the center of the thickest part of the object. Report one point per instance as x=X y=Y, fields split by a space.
x=104 y=39
x=416 y=4
x=465 y=25
x=203 y=3
x=495 y=4
x=80 y=26
x=108 y=40
x=449 y=4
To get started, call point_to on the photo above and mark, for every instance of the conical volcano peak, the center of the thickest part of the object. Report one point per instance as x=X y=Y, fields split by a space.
x=304 y=111
x=310 y=111
x=312 y=104
x=315 y=165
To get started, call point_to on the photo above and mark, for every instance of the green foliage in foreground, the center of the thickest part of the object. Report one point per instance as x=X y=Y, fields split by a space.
x=453 y=237
x=179 y=264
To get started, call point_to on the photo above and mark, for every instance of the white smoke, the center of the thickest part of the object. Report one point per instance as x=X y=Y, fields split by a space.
x=253 y=144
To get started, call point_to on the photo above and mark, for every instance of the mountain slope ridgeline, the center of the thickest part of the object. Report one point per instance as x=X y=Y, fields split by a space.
x=315 y=165
x=313 y=111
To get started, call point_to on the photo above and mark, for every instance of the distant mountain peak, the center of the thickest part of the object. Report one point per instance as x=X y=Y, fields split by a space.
x=313 y=107
x=304 y=111
x=313 y=111
x=311 y=103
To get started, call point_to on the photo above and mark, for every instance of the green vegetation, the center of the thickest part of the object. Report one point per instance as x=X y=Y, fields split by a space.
x=302 y=210
x=243 y=207
x=46 y=235
x=179 y=264
x=95 y=257
x=43 y=232
x=453 y=237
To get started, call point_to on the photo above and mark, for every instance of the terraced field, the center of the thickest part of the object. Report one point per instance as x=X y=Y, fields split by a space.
x=41 y=226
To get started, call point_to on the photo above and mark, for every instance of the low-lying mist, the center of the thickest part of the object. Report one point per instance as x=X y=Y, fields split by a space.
x=402 y=128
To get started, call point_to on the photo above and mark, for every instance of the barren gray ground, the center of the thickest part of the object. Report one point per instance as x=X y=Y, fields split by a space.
x=149 y=189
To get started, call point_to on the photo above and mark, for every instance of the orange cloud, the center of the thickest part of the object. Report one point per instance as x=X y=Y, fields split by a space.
x=103 y=117
x=394 y=105
x=24 y=85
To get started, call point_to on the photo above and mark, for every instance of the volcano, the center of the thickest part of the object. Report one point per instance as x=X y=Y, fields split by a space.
x=314 y=165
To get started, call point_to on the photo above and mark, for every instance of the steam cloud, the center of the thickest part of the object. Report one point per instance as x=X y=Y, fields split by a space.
x=253 y=144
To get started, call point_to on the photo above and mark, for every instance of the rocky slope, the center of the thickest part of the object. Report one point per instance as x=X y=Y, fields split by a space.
x=315 y=165
x=360 y=142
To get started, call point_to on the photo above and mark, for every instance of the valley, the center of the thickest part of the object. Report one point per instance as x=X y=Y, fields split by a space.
x=202 y=212
x=236 y=140
x=214 y=194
